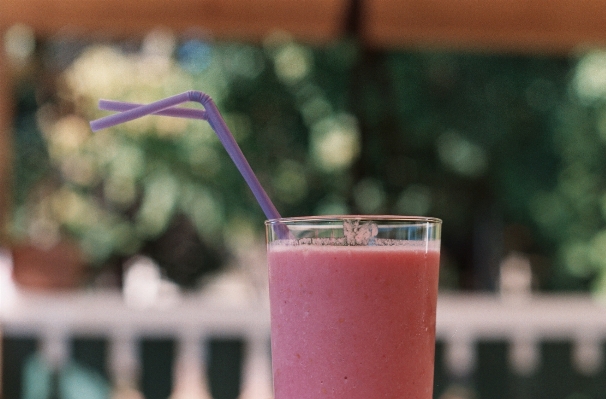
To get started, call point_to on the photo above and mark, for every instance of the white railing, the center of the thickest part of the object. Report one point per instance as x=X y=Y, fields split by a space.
x=462 y=321
x=56 y=317
x=516 y=316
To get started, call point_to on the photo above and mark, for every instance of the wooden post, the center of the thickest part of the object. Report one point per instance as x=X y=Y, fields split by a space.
x=6 y=126
x=6 y=116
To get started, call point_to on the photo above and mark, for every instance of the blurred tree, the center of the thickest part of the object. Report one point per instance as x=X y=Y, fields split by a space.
x=572 y=211
x=505 y=149
x=465 y=137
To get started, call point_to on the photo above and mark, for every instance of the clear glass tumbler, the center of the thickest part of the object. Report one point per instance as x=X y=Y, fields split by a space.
x=353 y=306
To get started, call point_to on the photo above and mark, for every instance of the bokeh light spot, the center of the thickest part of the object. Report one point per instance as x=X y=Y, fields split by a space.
x=414 y=200
x=335 y=142
x=159 y=200
x=292 y=63
x=589 y=80
x=19 y=43
x=461 y=155
x=369 y=196
x=194 y=55
x=290 y=183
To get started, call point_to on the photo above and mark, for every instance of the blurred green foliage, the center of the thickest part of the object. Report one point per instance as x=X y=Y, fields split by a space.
x=507 y=150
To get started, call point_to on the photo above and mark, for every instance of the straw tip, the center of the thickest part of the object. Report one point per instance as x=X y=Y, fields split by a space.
x=95 y=125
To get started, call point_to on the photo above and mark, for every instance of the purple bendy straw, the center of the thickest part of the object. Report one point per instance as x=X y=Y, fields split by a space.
x=129 y=111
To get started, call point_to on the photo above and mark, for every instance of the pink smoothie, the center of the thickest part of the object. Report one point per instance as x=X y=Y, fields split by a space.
x=353 y=322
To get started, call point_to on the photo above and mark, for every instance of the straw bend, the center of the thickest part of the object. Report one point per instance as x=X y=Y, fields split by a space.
x=199 y=97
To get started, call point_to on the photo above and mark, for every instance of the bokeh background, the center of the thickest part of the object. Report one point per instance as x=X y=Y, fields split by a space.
x=506 y=149
x=504 y=141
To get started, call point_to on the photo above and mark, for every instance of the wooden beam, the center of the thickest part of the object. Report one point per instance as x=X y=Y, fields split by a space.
x=309 y=20
x=6 y=119
x=554 y=26
x=522 y=26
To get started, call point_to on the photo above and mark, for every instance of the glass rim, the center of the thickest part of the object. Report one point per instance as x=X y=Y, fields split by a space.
x=364 y=218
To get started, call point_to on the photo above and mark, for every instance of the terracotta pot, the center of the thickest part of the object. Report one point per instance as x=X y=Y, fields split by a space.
x=57 y=268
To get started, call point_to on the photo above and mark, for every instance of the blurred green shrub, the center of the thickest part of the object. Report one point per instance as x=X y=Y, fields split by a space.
x=506 y=149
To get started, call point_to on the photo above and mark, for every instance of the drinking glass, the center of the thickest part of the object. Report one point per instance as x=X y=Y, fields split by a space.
x=353 y=306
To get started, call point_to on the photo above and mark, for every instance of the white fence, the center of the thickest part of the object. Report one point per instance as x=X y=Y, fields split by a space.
x=462 y=321
x=57 y=317
x=516 y=316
